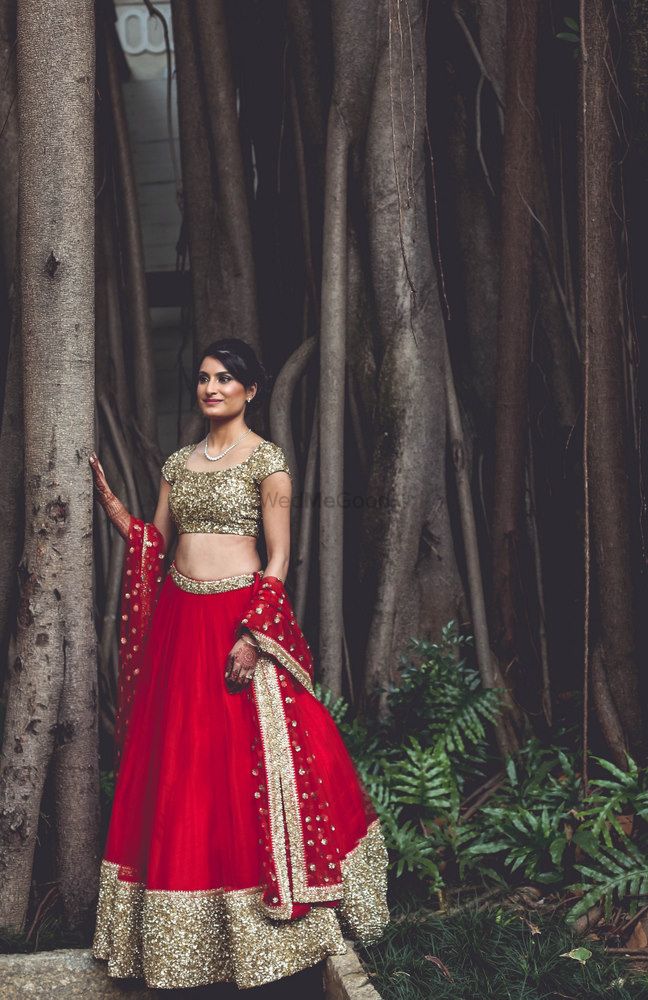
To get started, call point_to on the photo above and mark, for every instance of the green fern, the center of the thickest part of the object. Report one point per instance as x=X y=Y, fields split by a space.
x=533 y=841
x=375 y=778
x=624 y=791
x=621 y=874
x=439 y=697
x=412 y=851
x=337 y=706
x=423 y=777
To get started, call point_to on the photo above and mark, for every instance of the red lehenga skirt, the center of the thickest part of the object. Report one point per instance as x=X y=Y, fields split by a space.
x=227 y=805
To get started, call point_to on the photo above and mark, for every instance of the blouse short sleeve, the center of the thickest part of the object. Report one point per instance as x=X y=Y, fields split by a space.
x=170 y=468
x=271 y=459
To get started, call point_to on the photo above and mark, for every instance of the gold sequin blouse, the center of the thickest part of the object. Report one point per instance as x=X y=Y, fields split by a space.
x=226 y=501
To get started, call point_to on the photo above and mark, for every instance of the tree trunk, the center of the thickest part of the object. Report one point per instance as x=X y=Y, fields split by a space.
x=137 y=312
x=8 y=139
x=10 y=389
x=607 y=454
x=11 y=485
x=514 y=327
x=417 y=588
x=331 y=392
x=354 y=59
x=52 y=706
x=232 y=264
x=197 y=196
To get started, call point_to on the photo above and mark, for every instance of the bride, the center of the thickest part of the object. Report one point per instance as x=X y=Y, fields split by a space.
x=242 y=844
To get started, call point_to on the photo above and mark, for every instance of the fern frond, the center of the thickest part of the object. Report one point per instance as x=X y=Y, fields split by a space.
x=620 y=874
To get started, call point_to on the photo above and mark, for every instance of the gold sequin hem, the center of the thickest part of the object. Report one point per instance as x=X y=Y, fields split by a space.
x=175 y=939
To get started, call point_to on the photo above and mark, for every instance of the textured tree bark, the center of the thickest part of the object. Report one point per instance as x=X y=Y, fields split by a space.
x=471 y=218
x=489 y=670
x=52 y=705
x=11 y=486
x=331 y=392
x=139 y=318
x=232 y=269
x=613 y=632
x=8 y=139
x=10 y=390
x=514 y=326
x=354 y=60
x=112 y=378
x=633 y=71
x=307 y=75
x=304 y=546
x=303 y=35
x=209 y=307
x=412 y=554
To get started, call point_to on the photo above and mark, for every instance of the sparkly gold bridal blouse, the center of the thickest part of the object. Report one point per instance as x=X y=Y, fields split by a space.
x=225 y=501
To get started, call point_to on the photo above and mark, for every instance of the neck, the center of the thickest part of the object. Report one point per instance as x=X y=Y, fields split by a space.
x=222 y=435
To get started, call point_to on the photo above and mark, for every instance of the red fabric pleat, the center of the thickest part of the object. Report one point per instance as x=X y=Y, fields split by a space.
x=185 y=815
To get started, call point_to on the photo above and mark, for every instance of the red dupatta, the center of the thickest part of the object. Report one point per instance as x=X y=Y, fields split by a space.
x=307 y=845
x=141 y=579
x=271 y=620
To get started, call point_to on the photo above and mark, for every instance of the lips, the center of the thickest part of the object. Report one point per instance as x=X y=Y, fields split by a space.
x=210 y=402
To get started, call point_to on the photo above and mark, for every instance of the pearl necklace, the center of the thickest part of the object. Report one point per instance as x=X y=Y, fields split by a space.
x=214 y=458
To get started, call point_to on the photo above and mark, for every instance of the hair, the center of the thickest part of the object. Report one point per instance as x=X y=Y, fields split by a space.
x=241 y=361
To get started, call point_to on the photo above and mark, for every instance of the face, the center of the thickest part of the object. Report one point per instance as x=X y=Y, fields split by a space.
x=218 y=392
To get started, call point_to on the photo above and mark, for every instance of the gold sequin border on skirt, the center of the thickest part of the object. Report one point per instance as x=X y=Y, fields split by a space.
x=193 y=586
x=181 y=939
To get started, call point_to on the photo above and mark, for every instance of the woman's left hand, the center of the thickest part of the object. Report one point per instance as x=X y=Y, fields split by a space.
x=241 y=662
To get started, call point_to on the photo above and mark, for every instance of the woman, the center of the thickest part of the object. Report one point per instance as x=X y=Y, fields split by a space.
x=241 y=842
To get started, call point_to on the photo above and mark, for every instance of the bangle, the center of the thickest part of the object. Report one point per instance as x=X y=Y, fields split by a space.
x=253 y=643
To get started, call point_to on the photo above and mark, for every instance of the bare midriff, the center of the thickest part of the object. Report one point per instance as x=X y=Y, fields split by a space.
x=215 y=556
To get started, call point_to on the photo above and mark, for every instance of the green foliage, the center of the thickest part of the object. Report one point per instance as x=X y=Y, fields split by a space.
x=416 y=763
x=530 y=840
x=492 y=954
x=424 y=778
x=415 y=851
x=435 y=747
x=440 y=698
x=623 y=792
x=107 y=784
x=540 y=777
x=572 y=35
x=619 y=873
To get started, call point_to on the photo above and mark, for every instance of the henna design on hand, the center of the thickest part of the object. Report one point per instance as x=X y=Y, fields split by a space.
x=114 y=508
x=241 y=662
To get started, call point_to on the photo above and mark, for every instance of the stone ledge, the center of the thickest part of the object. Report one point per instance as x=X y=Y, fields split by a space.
x=70 y=973
x=346 y=979
x=73 y=974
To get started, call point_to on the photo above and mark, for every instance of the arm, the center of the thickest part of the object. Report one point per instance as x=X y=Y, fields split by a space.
x=112 y=505
x=276 y=496
x=276 y=493
x=117 y=512
x=162 y=517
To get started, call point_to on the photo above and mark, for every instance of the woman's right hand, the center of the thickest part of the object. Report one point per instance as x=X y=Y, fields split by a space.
x=112 y=505
x=241 y=662
x=99 y=475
